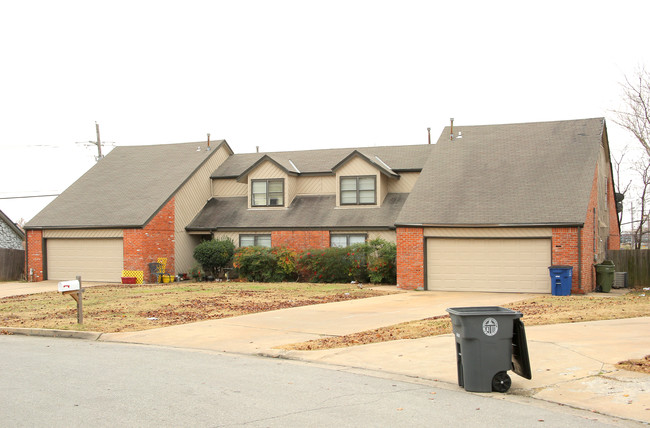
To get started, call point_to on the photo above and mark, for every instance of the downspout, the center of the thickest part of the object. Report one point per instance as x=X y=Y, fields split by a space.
x=27 y=257
x=579 y=257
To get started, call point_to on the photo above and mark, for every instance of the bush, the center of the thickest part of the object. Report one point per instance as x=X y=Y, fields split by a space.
x=214 y=255
x=382 y=261
x=264 y=264
x=332 y=265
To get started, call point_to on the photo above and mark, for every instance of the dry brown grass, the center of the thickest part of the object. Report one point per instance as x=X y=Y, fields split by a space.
x=536 y=311
x=115 y=308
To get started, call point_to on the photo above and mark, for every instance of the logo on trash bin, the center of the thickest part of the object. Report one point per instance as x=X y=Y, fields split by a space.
x=490 y=326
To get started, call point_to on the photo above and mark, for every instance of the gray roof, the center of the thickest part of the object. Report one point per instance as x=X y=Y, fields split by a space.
x=395 y=158
x=126 y=188
x=313 y=212
x=518 y=174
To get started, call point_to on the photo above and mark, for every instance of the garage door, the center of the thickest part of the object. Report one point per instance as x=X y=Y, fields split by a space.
x=93 y=259
x=503 y=265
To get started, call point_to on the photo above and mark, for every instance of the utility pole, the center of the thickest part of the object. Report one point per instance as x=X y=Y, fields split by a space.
x=99 y=144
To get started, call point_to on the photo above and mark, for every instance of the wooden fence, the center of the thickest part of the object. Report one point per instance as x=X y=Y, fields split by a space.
x=635 y=262
x=12 y=264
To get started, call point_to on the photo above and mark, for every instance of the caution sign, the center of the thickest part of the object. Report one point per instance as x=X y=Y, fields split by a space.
x=490 y=326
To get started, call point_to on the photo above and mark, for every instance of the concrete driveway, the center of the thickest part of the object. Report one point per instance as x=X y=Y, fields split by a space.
x=19 y=288
x=573 y=364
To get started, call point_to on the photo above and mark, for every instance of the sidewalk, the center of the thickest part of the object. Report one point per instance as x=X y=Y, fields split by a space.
x=573 y=364
x=18 y=288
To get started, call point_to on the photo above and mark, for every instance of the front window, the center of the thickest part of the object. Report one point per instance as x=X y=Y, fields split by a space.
x=255 y=241
x=358 y=190
x=346 y=240
x=267 y=193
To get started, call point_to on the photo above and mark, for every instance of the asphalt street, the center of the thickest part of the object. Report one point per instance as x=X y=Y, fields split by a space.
x=73 y=383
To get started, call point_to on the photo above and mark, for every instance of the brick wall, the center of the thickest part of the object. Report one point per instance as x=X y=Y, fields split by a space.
x=34 y=255
x=156 y=239
x=564 y=251
x=410 y=258
x=614 y=239
x=299 y=240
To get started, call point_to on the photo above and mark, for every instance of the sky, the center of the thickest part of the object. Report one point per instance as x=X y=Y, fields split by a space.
x=288 y=75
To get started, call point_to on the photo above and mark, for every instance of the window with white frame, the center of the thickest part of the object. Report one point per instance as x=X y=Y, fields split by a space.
x=267 y=193
x=340 y=240
x=255 y=241
x=360 y=190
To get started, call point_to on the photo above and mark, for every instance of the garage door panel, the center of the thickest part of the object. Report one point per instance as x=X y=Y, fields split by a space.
x=504 y=265
x=93 y=259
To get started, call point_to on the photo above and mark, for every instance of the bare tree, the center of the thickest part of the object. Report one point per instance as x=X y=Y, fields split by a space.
x=635 y=117
x=617 y=164
x=640 y=230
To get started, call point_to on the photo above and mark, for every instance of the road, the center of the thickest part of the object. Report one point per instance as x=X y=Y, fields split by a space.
x=73 y=383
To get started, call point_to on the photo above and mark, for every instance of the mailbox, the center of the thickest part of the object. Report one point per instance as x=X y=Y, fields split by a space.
x=69 y=285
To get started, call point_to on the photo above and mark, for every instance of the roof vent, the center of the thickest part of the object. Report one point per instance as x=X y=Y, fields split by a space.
x=451 y=133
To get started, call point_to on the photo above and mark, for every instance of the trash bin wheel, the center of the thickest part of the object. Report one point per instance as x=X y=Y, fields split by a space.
x=501 y=382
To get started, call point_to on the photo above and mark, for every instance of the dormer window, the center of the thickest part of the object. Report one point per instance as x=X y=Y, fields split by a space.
x=267 y=193
x=359 y=190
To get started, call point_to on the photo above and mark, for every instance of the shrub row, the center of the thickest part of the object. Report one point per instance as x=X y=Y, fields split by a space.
x=374 y=261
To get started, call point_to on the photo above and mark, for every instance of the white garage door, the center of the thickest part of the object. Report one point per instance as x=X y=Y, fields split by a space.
x=494 y=265
x=93 y=259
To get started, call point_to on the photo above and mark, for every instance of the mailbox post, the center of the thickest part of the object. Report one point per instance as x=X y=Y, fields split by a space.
x=73 y=288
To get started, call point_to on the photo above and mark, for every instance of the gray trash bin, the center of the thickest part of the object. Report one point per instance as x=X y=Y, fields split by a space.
x=490 y=340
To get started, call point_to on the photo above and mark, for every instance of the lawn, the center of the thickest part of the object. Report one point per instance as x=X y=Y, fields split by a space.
x=116 y=308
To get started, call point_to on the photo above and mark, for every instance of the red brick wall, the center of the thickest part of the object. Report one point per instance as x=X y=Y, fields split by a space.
x=299 y=240
x=410 y=258
x=564 y=251
x=156 y=239
x=34 y=255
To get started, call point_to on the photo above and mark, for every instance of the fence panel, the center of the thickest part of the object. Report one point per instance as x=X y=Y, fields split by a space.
x=635 y=262
x=12 y=264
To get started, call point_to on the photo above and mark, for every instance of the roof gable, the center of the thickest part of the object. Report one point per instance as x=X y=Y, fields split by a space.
x=5 y=219
x=126 y=188
x=380 y=165
x=518 y=174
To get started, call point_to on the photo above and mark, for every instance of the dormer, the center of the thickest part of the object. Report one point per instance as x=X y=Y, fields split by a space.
x=362 y=181
x=270 y=184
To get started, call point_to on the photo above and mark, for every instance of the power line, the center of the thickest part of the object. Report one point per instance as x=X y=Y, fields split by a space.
x=25 y=197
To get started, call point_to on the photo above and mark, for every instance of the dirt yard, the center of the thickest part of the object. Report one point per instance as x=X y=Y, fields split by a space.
x=115 y=308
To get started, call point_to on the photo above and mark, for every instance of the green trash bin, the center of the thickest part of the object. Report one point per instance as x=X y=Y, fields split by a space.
x=605 y=276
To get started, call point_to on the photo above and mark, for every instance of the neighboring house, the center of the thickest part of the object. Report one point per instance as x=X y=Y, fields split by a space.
x=489 y=208
x=11 y=236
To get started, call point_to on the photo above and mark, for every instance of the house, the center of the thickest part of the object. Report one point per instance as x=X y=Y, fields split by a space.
x=12 y=251
x=485 y=208
x=127 y=211
x=11 y=236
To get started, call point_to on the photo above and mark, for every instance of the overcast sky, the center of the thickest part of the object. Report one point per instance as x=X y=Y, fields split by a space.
x=286 y=75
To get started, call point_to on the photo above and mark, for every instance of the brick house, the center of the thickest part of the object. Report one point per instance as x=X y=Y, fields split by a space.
x=487 y=208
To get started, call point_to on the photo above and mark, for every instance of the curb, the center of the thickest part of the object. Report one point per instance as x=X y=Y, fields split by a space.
x=43 y=332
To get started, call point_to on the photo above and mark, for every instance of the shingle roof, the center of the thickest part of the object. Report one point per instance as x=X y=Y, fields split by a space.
x=318 y=212
x=395 y=158
x=126 y=188
x=518 y=174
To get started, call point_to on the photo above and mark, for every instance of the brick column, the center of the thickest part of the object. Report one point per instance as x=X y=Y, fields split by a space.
x=410 y=258
x=35 y=255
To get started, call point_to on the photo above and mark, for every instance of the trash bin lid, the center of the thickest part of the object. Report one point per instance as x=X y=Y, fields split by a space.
x=560 y=267
x=482 y=311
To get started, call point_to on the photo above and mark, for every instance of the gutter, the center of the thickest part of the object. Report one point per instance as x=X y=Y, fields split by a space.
x=484 y=225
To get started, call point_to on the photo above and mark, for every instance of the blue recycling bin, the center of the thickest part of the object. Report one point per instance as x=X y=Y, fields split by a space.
x=561 y=277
